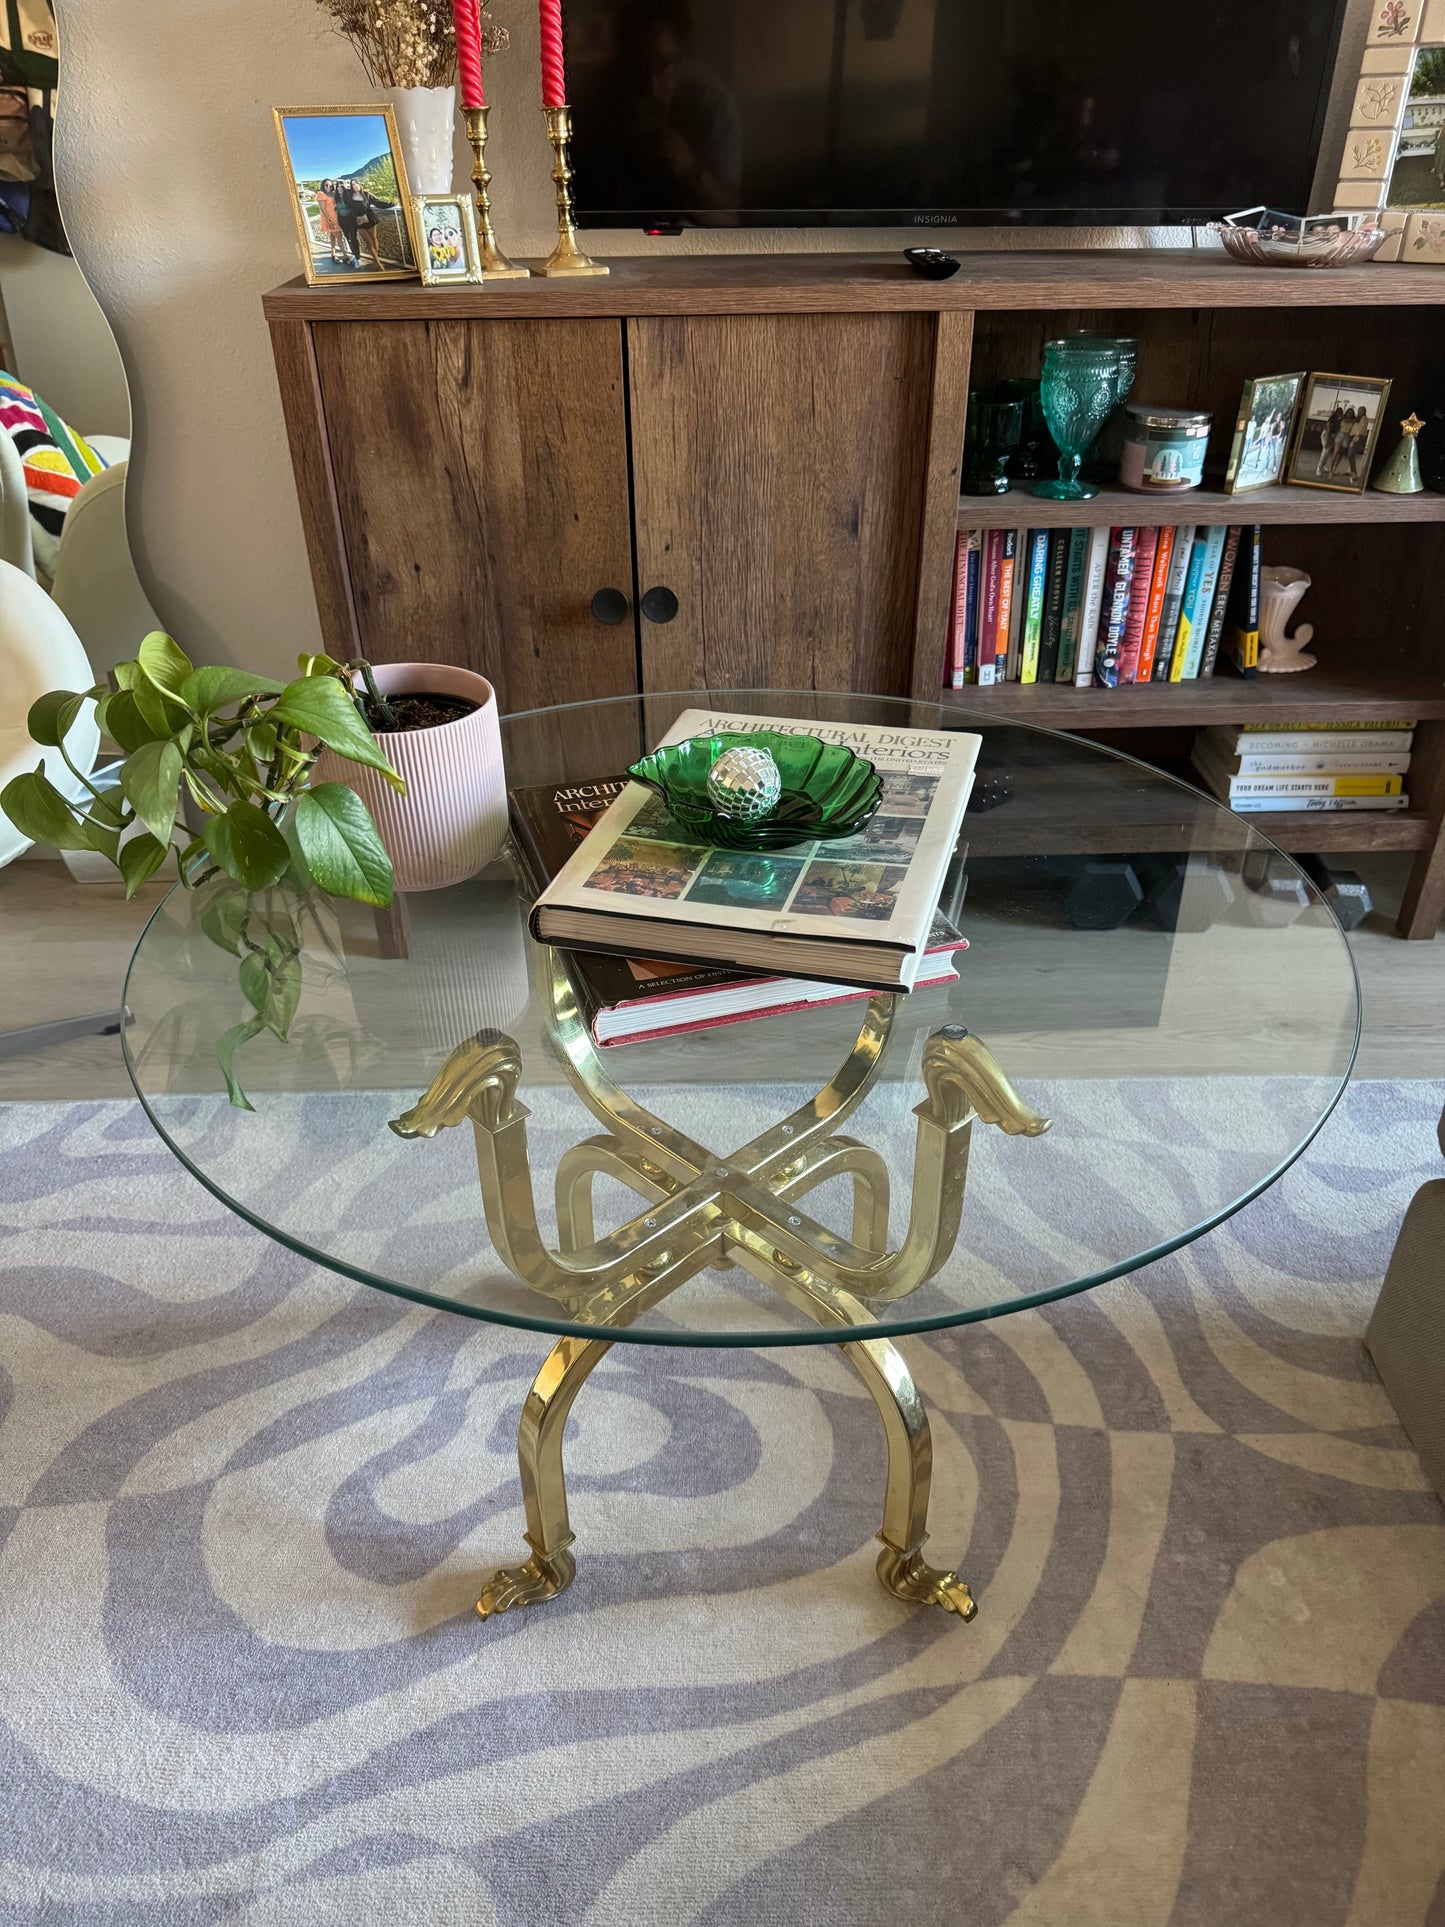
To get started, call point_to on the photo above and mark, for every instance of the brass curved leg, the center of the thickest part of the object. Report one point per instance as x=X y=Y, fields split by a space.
x=551 y=1568
x=881 y=1366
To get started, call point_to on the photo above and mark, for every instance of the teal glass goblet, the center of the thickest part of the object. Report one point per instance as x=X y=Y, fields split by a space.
x=1080 y=385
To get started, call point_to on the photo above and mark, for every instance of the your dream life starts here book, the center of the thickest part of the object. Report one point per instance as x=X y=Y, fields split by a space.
x=623 y=999
x=853 y=911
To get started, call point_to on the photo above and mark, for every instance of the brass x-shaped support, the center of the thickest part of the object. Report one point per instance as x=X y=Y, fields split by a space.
x=708 y=1210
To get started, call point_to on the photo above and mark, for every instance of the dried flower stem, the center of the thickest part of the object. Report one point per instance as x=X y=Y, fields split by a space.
x=406 y=43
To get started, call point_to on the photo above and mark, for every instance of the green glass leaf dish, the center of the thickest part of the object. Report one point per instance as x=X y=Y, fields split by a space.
x=828 y=790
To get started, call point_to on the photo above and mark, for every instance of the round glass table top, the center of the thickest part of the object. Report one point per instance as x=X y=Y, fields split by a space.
x=1147 y=972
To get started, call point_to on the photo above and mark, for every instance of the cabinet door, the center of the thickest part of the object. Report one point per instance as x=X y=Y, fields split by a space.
x=480 y=470
x=779 y=465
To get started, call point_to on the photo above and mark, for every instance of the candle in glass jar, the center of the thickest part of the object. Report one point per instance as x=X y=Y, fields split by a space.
x=554 y=79
x=467 y=21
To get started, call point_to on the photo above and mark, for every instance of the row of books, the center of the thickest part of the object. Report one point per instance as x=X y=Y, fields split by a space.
x=1258 y=768
x=1103 y=606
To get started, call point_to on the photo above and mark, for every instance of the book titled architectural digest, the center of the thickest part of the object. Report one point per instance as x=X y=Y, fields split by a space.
x=852 y=911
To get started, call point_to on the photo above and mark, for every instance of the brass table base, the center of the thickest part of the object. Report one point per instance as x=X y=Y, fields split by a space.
x=704 y=1210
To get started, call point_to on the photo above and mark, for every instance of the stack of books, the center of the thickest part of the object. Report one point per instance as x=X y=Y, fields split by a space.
x=665 y=933
x=1103 y=607
x=1260 y=767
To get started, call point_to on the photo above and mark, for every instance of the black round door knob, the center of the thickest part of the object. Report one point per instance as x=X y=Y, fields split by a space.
x=610 y=606
x=659 y=605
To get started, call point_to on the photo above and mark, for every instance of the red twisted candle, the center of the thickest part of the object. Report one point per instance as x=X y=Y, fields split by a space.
x=467 y=20
x=554 y=80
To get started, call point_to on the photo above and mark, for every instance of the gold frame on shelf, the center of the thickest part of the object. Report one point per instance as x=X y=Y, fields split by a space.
x=369 y=110
x=1399 y=31
x=1302 y=419
x=1244 y=415
x=471 y=265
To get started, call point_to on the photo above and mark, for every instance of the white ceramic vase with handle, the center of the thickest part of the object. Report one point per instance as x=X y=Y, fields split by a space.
x=425 y=121
x=452 y=820
x=1280 y=590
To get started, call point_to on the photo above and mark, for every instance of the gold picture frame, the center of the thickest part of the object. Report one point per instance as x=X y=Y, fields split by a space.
x=381 y=250
x=1349 y=391
x=1263 y=461
x=456 y=219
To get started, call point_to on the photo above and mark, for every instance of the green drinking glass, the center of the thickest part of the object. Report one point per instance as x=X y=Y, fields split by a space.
x=1080 y=385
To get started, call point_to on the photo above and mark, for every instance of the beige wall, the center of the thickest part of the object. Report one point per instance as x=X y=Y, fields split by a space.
x=175 y=204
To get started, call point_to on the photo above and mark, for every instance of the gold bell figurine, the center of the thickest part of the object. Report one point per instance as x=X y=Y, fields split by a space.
x=1401 y=474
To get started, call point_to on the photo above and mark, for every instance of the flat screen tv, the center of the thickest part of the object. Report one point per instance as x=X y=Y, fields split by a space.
x=923 y=113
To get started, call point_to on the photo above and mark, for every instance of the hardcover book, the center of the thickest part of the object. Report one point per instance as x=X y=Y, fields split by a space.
x=1072 y=614
x=1227 y=566
x=1214 y=541
x=626 y=998
x=1118 y=581
x=1054 y=604
x=1185 y=628
x=857 y=911
x=988 y=607
x=1096 y=565
x=970 y=624
x=1008 y=587
x=1180 y=557
x=1146 y=547
x=1241 y=617
x=1154 y=609
x=1037 y=581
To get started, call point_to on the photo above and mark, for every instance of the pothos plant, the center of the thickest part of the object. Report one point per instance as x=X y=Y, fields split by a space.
x=241 y=748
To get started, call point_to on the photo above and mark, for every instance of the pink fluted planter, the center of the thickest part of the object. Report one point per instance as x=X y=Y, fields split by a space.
x=453 y=819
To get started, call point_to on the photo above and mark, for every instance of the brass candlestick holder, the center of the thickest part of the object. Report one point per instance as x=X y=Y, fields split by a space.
x=566 y=257
x=495 y=265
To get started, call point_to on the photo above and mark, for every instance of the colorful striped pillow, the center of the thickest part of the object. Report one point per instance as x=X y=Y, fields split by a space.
x=57 y=463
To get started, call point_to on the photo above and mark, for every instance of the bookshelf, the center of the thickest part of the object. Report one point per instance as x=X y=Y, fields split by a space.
x=777 y=441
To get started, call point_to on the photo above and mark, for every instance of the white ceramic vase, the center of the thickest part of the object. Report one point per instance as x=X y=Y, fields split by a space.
x=426 y=121
x=452 y=820
x=1280 y=590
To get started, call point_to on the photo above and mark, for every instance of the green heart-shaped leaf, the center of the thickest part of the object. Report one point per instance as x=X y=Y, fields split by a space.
x=321 y=707
x=38 y=810
x=120 y=718
x=248 y=846
x=222 y=914
x=52 y=717
x=148 y=782
x=162 y=661
x=338 y=839
x=139 y=859
x=226 y=1047
x=216 y=687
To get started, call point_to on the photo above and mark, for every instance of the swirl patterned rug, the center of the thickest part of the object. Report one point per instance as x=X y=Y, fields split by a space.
x=244 y=1504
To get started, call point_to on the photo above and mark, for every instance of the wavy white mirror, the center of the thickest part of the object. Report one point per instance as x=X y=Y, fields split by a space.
x=65 y=417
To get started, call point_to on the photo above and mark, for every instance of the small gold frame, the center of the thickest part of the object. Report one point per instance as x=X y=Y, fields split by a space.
x=1302 y=422
x=469 y=268
x=371 y=110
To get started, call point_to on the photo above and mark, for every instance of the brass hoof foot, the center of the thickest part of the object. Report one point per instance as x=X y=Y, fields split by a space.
x=908 y=1577
x=543 y=1576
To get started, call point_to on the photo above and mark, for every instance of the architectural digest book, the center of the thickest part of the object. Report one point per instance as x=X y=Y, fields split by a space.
x=625 y=998
x=854 y=911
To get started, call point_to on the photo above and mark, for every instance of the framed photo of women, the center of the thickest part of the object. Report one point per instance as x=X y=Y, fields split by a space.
x=1262 y=432
x=1336 y=430
x=349 y=195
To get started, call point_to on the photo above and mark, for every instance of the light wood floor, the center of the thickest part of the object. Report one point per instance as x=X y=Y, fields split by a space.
x=64 y=948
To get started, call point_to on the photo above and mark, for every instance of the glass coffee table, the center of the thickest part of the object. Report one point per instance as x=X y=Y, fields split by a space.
x=1156 y=1013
